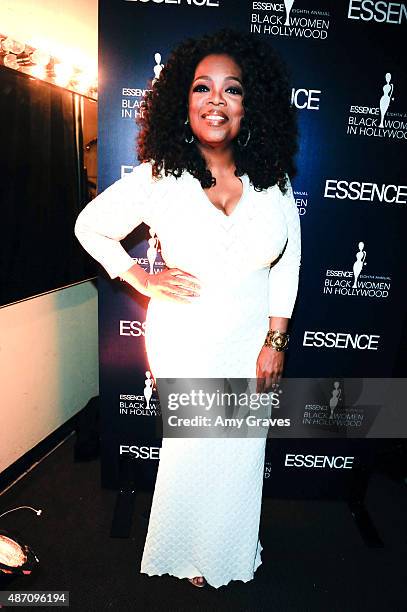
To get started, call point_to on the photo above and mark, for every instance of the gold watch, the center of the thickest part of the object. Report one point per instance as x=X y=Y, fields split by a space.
x=277 y=340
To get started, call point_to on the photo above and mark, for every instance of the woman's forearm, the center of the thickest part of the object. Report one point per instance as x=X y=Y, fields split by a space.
x=136 y=276
x=280 y=323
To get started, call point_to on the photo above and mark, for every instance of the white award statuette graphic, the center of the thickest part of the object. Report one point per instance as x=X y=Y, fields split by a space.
x=158 y=67
x=359 y=263
x=288 y=6
x=148 y=388
x=336 y=396
x=386 y=97
x=152 y=250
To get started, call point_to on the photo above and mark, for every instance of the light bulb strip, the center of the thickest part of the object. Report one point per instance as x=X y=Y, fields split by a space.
x=41 y=65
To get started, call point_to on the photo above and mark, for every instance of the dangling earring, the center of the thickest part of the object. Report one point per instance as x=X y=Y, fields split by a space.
x=246 y=140
x=191 y=138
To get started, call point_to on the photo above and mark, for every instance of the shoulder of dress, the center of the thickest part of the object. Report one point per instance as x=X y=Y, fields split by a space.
x=275 y=198
x=284 y=198
x=144 y=172
x=272 y=192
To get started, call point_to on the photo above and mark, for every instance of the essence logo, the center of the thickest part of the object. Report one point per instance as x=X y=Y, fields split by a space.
x=140 y=452
x=353 y=282
x=368 y=192
x=131 y=92
x=379 y=12
x=336 y=414
x=141 y=405
x=281 y=19
x=316 y=414
x=305 y=98
x=132 y=102
x=339 y=340
x=378 y=121
x=133 y=98
x=319 y=461
x=132 y=328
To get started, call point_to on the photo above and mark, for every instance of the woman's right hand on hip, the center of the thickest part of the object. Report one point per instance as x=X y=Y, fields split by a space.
x=172 y=284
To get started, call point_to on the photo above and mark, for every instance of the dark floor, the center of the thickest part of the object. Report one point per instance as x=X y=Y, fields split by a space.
x=313 y=560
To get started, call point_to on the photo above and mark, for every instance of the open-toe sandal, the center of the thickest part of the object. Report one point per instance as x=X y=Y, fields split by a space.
x=196 y=583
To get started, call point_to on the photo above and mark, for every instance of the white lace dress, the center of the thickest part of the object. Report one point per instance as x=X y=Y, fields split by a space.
x=206 y=506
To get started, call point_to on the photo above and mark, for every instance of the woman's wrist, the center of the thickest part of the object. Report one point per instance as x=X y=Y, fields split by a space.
x=280 y=323
x=277 y=340
x=277 y=336
x=138 y=278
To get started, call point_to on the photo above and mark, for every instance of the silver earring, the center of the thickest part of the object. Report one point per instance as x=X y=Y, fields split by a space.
x=191 y=138
x=244 y=143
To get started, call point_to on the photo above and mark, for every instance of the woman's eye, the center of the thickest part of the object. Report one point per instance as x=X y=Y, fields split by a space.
x=235 y=90
x=201 y=88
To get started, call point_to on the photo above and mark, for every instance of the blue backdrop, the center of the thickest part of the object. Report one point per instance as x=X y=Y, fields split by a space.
x=349 y=86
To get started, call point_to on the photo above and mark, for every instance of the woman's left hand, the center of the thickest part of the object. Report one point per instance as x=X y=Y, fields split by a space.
x=269 y=368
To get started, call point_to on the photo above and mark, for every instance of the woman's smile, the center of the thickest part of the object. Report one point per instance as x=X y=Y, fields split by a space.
x=215 y=118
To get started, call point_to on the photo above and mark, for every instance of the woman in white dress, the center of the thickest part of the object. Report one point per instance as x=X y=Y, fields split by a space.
x=217 y=142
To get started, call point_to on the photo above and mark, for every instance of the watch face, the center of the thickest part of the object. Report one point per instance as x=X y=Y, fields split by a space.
x=280 y=342
x=277 y=340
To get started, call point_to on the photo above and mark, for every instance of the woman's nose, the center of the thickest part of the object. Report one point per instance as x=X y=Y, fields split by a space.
x=216 y=97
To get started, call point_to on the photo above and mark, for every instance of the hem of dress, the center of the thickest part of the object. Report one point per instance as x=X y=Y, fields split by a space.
x=212 y=584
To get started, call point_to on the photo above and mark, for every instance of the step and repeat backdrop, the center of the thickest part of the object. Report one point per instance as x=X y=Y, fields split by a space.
x=349 y=88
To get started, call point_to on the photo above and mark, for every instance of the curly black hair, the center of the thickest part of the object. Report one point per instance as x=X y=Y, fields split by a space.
x=270 y=152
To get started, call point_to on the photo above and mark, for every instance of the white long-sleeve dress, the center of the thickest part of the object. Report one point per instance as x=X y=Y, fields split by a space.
x=205 y=512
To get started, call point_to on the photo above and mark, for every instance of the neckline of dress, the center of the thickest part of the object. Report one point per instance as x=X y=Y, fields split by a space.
x=245 y=182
